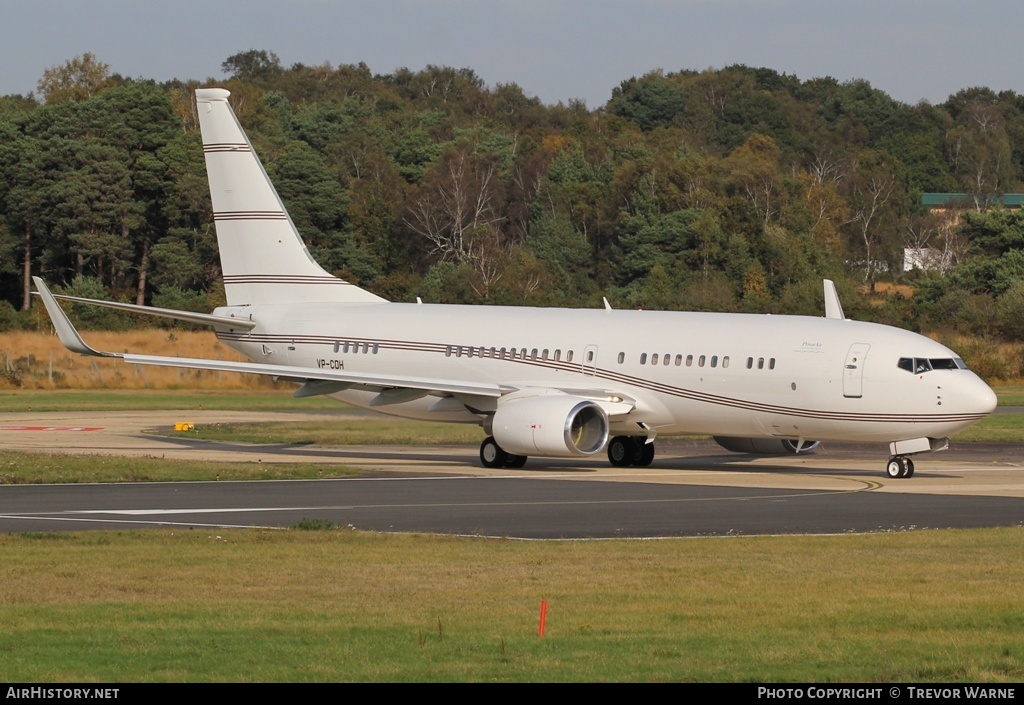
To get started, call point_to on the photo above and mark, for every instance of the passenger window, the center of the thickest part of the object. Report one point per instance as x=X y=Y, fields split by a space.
x=376 y=347
x=643 y=358
x=665 y=358
x=750 y=363
x=760 y=363
x=679 y=360
x=725 y=361
x=590 y=356
x=689 y=360
x=714 y=360
x=771 y=364
x=622 y=357
x=558 y=355
x=700 y=361
x=568 y=356
x=544 y=354
x=654 y=359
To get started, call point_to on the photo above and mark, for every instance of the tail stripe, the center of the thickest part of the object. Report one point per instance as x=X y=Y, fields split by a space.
x=226 y=147
x=250 y=215
x=280 y=279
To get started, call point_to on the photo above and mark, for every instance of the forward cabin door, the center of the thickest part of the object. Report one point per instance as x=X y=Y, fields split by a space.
x=853 y=372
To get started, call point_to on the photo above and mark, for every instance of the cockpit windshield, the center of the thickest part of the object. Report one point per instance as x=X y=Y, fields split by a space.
x=920 y=365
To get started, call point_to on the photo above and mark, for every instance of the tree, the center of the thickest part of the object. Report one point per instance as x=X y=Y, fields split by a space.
x=979 y=150
x=254 y=65
x=755 y=172
x=874 y=190
x=651 y=101
x=459 y=207
x=77 y=79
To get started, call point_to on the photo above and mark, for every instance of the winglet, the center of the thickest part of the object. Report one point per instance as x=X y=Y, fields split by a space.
x=65 y=331
x=833 y=309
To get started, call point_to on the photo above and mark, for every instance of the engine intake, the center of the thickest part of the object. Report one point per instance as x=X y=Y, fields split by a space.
x=550 y=425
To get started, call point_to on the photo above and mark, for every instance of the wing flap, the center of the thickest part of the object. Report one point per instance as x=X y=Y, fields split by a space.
x=363 y=379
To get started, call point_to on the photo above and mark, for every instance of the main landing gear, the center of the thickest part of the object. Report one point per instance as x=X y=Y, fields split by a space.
x=492 y=456
x=900 y=466
x=624 y=451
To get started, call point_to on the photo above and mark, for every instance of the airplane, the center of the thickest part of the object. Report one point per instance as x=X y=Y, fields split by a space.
x=553 y=382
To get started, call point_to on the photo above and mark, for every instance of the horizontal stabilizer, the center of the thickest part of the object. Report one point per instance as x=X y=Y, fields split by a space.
x=205 y=319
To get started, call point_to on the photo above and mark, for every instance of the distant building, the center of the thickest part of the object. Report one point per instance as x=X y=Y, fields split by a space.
x=965 y=201
x=927 y=259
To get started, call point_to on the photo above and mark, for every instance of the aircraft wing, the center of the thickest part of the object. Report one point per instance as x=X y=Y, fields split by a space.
x=316 y=381
x=391 y=389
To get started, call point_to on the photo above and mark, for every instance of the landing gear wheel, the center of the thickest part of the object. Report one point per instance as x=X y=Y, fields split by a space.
x=895 y=468
x=644 y=455
x=908 y=466
x=621 y=451
x=491 y=454
x=515 y=461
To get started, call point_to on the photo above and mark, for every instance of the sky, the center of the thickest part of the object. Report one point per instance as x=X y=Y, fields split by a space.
x=556 y=50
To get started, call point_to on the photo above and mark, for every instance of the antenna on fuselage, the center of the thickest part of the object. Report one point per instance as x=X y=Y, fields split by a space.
x=833 y=309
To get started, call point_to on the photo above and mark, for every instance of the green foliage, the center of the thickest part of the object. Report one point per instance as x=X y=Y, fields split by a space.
x=252 y=65
x=307 y=524
x=650 y=102
x=730 y=189
x=94 y=317
x=77 y=79
x=9 y=319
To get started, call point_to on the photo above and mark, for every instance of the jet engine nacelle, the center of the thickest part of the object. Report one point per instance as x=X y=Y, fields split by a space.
x=766 y=446
x=550 y=425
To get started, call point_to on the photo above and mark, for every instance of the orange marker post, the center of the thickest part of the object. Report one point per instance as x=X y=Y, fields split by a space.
x=543 y=615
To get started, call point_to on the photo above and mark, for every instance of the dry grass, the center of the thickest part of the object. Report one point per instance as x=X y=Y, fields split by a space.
x=32 y=360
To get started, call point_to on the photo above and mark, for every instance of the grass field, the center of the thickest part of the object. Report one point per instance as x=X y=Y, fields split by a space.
x=338 y=605
x=18 y=468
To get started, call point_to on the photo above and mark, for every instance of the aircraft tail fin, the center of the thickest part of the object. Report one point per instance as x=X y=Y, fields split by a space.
x=263 y=257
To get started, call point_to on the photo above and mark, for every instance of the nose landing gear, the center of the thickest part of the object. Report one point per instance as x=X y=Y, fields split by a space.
x=900 y=466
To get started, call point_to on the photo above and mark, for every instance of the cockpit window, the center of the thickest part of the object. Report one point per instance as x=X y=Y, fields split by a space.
x=920 y=365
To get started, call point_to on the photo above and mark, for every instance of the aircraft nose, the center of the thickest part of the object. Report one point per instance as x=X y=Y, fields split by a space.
x=978 y=397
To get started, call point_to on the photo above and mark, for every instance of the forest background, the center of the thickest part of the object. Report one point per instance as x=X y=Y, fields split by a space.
x=736 y=189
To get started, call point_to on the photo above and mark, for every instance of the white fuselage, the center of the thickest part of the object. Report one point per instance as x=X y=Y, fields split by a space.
x=706 y=373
